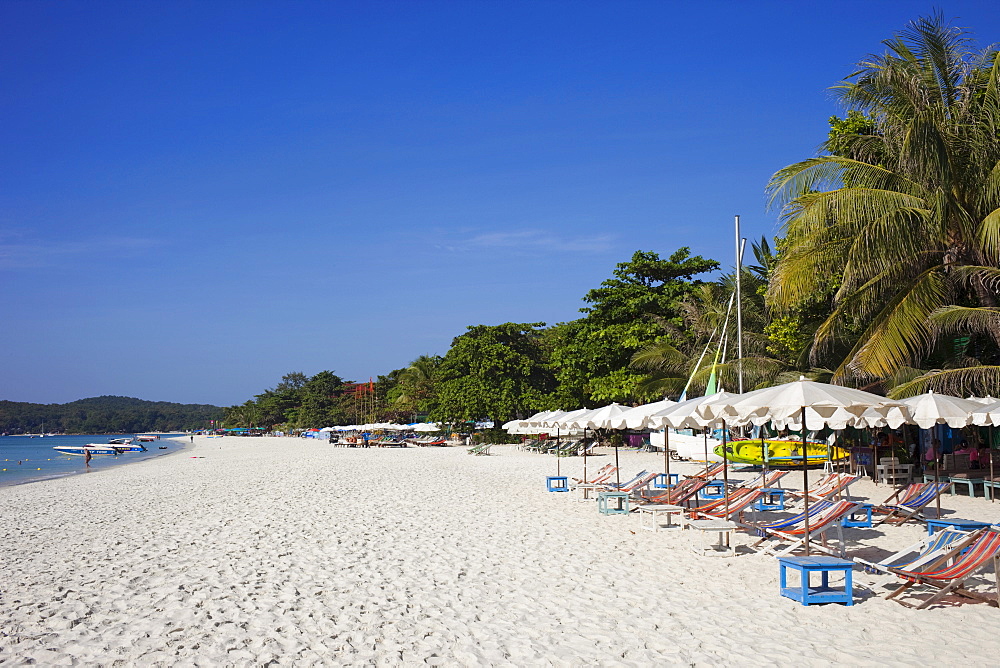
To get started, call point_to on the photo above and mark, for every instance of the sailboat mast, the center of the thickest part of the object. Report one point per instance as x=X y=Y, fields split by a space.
x=740 y=245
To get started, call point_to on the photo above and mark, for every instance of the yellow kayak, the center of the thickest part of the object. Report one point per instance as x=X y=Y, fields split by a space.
x=780 y=453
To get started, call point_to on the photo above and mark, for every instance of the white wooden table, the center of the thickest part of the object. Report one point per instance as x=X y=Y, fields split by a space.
x=654 y=510
x=724 y=529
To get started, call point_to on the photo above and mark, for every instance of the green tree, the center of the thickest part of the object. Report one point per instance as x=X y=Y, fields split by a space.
x=639 y=306
x=493 y=372
x=904 y=214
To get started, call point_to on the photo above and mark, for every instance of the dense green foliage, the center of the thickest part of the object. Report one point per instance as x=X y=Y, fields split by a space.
x=900 y=221
x=105 y=415
x=299 y=401
x=626 y=313
x=494 y=372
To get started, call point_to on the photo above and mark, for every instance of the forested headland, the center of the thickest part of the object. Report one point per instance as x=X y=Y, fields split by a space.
x=884 y=275
x=105 y=415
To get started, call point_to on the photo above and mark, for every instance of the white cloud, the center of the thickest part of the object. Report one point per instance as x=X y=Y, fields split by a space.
x=17 y=252
x=530 y=241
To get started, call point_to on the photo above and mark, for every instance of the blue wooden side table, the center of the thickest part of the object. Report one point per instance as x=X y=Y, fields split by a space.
x=861 y=516
x=557 y=483
x=613 y=503
x=773 y=499
x=806 y=593
x=963 y=525
x=660 y=481
x=715 y=489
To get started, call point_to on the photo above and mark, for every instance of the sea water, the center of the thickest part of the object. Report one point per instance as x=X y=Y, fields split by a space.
x=26 y=459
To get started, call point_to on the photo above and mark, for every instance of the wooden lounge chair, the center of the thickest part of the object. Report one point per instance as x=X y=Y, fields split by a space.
x=766 y=480
x=625 y=486
x=927 y=550
x=680 y=494
x=966 y=560
x=602 y=475
x=897 y=513
x=830 y=486
x=740 y=500
x=823 y=516
x=709 y=472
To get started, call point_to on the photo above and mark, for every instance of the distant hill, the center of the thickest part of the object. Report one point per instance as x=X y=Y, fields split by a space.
x=104 y=415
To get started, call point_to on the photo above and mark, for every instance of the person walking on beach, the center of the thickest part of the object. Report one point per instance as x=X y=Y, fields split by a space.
x=192 y=438
x=86 y=457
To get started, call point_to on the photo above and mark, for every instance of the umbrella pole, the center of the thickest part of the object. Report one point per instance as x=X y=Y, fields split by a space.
x=616 y=474
x=875 y=458
x=557 y=451
x=989 y=453
x=805 y=479
x=706 y=446
x=585 y=448
x=666 y=456
x=725 y=469
x=937 y=469
x=763 y=454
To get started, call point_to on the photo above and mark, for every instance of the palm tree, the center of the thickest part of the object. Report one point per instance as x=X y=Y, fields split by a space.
x=902 y=219
x=416 y=388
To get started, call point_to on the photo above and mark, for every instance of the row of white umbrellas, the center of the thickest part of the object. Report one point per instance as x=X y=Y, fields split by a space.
x=825 y=406
x=388 y=426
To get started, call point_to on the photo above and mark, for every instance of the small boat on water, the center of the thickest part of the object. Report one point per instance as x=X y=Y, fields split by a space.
x=92 y=448
x=147 y=438
x=120 y=441
x=130 y=447
x=782 y=454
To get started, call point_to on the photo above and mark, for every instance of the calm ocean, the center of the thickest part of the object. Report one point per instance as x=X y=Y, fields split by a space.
x=24 y=459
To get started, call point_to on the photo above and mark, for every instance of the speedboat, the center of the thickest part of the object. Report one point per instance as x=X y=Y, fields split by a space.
x=92 y=448
x=120 y=441
x=130 y=447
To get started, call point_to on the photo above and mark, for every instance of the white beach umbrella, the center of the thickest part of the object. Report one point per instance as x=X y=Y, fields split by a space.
x=986 y=415
x=427 y=427
x=927 y=410
x=685 y=415
x=781 y=403
x=599 y=418
x=638 y=417
x=565 y=419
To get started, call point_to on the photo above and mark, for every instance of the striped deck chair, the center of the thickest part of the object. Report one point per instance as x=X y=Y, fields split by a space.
x=642 y=479
x=709 y=472
x=823 y=516
x=682 y=493
x=924 y=551
x=897 y=513
x=904 y=495
x=769 y=479
x=602 y=474
x=950 y=579
x=740 y=499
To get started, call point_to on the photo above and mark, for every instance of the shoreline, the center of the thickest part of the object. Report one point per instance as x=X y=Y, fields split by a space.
x=258 y=550
x=149 y=456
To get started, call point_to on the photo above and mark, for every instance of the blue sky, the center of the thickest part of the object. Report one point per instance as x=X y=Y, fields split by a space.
x=200 y=197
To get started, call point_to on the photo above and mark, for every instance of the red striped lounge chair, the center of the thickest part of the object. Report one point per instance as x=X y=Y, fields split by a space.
x=950 y=579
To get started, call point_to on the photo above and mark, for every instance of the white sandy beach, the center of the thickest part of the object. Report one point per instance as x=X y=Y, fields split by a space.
x=292 y=552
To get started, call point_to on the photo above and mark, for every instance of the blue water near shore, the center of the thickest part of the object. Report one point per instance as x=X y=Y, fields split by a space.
x=25 y=459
